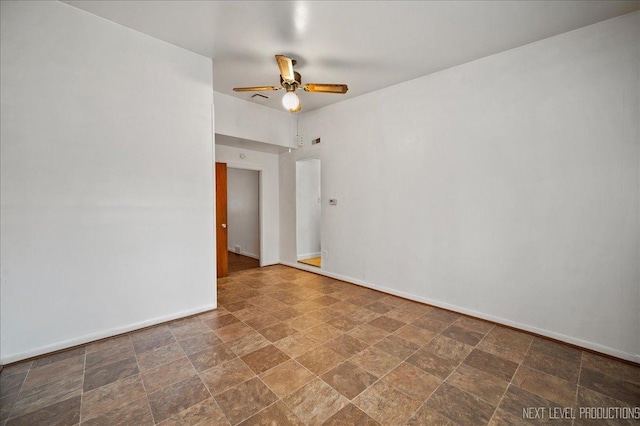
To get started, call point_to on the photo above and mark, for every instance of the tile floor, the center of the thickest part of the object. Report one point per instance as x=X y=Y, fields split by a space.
x=238 y=262
x=287 y=347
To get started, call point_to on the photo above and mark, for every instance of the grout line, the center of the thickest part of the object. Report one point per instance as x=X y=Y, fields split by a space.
x=511 y=381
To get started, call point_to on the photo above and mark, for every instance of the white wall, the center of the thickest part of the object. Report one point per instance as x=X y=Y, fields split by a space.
x=308 y=208
x=243 y=211
x=107 y=179
x=247 y=120
x=267 y=165
x=507 y=188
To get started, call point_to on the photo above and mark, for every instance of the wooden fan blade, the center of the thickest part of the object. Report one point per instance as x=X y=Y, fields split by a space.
x=326 y=88
x=255 y=89
x=286 y=68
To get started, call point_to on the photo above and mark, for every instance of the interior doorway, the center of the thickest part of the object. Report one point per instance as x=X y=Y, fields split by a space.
x=308 y=212
x=243 y=219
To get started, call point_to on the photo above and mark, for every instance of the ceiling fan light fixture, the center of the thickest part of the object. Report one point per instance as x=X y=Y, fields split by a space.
x=290 y=101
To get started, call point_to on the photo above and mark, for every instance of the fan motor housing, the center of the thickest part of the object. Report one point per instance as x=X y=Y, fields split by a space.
x=297 y=82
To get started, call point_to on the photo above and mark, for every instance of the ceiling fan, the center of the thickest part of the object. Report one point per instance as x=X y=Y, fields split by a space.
x=291 y=80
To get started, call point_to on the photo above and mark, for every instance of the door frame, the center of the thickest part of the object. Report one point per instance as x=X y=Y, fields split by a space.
x=261 y=190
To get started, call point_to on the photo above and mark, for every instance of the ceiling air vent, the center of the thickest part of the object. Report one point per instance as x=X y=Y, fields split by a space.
x=315 y=141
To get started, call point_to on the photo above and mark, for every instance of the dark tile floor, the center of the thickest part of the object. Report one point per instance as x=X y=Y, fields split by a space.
x=238 y=262
x=287 y=347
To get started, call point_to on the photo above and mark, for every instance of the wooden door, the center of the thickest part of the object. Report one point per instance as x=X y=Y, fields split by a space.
x=222 y=256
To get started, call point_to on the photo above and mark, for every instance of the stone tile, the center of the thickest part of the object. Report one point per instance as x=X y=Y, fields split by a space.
x=10 y=384
x=19 y=367
x=164 y=375
x=211 y=357
x=320 y=360
x=247 y=344
x=343 y=307
x=238 y=306
x=59 y=356
x=375 y=361
x=430 y=324
x=346 y=345
x=277 y=332
x=66 y=412
x=380 y=308
x=387 y=324
x=405 y=315
x=136 y=412
x=610 y=386
x=264 y=359
x=203 y=413
x=449 y=348
x=159 y=356
x=286 y=314
x=441 y=314
x=245 y=399
x=386 y=404
x=147 y=340
x=483 y=385
x=190 y=330
x=362 y=315
x=546 y=386
x=276 y=414
x=177 y=397
x=368 y=334
x=428 y=416
x=463 y=335
x=556 y=349
x=111 y=396
x=413 y=381
x=589 y=398
x=233 y=331
x=419 y=336
x=47 y=394
x=221 y=321
x=315 y=402
x=342 y=323
x=53 y=372
x=326 y=300
x=220 y=378
x=479 y=326
x=202 y=341
x=324 y=314
x=323 y=333
x=611 y=367
x=460 y=407
x=439 y=366
x=262 y=321
x=349 y=379
x=286 y=378
x=517 y=399
x=350 y=415
x=303 y=322
x=109 y=373
x=567 y=370
x=6 y=404
x=492 y=364
x=297 y=344
x=506 y=343
x=116 y=352
x=397 y=346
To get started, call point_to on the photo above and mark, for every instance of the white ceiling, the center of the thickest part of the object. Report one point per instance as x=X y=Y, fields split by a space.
x=367 y=45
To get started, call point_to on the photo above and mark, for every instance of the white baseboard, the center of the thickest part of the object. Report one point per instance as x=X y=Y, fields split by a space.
x=88 y=338
x=542 y=332
x=244 y=253
x=308 y=255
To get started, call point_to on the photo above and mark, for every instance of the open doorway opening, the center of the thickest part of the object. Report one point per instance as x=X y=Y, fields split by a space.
x=308 y=212
x=243 y=217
